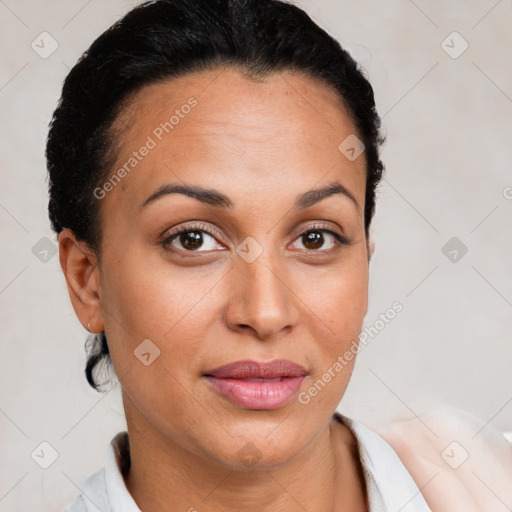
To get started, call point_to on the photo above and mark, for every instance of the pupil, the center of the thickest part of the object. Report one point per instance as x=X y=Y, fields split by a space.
x=312 y=240
x=191 y=240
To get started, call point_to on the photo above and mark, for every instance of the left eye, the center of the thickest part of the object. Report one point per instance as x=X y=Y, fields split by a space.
x=315 y=239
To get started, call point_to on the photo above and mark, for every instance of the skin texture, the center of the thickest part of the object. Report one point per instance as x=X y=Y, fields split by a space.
x=261 y=144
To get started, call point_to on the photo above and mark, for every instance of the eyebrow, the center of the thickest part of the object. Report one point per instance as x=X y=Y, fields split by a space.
x=216 y=198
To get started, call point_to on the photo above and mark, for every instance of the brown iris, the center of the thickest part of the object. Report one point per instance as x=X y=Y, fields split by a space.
x=191 y=240
x=313 y=239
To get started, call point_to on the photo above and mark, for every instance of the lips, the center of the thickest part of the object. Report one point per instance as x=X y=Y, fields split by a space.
x=257 y=385
x=258 y=370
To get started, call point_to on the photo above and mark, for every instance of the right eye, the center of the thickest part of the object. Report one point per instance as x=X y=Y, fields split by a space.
x=192 y=238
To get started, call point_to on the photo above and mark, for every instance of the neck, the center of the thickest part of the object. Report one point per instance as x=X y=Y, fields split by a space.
x=163 y=472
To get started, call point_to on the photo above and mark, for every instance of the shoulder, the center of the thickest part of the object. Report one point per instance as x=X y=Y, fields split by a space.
x=388 y=483
x=460 y=462
x=93 y=491
x=105 y=489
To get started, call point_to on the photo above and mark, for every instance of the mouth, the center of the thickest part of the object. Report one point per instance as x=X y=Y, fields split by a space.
x=257 y=385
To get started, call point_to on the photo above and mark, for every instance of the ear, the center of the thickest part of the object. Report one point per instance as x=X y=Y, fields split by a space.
x=80 y=267
x=371 y=247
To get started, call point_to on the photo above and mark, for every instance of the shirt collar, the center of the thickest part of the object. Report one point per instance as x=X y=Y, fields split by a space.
x=389 y=485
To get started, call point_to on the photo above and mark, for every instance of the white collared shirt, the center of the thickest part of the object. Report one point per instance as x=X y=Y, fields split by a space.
x=389 y=485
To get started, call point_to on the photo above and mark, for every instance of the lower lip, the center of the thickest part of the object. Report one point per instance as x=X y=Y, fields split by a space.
x=262 y=395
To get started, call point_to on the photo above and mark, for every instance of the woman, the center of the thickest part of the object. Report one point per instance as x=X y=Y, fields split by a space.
x=213 y=167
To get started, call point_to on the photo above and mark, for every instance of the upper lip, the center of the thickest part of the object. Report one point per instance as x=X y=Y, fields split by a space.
x=258 y=369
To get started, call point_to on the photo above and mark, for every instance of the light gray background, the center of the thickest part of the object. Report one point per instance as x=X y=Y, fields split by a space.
x=448 y=157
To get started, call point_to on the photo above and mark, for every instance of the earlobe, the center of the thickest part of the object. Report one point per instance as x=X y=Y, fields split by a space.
x=371 y=247
x=79 y=265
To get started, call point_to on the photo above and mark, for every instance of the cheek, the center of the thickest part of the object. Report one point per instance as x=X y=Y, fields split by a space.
x=171 y=308
x=339 y=305
x=339 y=296
x=143 y=296
x=147 y=298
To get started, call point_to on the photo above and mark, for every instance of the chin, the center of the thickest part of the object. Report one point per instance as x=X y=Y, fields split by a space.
x=265 y=441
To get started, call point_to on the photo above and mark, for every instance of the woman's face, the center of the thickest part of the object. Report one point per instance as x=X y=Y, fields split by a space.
x=260 y=274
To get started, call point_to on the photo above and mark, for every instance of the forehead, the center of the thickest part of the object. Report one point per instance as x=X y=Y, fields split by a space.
x=227 y=97
x=218 y=128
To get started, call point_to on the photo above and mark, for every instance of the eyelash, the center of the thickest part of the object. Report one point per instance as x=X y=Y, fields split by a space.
x=340 y=240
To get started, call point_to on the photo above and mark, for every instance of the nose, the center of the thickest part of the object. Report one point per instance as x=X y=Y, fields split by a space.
x=261 y=299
